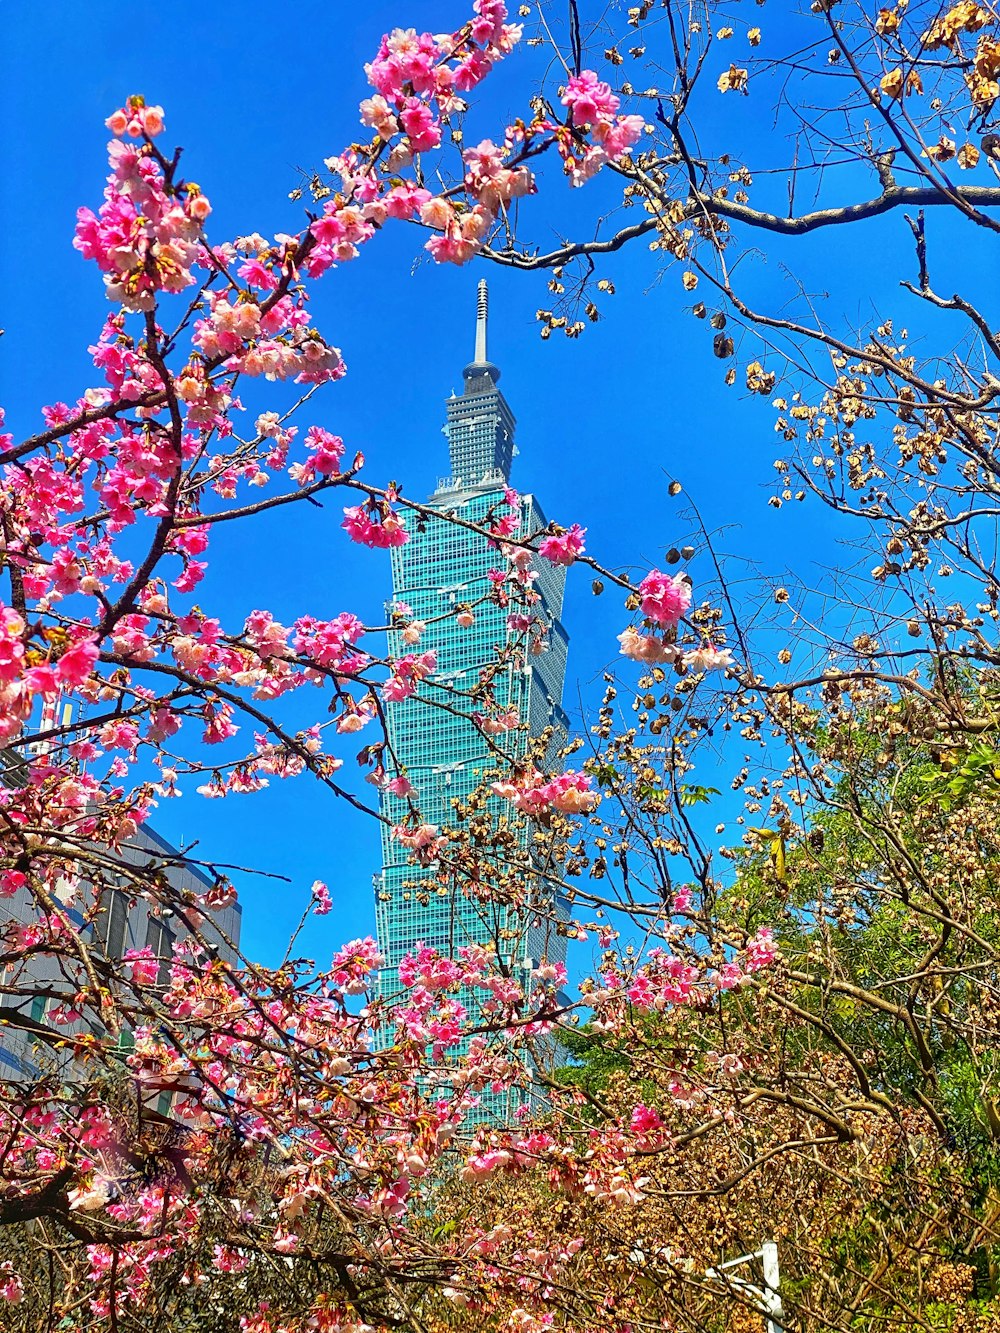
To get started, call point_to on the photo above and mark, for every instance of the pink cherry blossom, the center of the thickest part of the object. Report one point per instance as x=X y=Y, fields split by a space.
x=76 y=663
x=646 y=647
x=11 y=881
x=407 y=673
x=568 y=793
x=11 y=1286
x=664 y=597
x=564 y=547
x=375 y=526
x=761 y=951
x=589 y=99
x=322 y=902
x=144 y=966
x=708 y=658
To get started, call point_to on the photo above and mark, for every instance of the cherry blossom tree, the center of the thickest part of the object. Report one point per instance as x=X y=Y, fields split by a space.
x=808 y=1002
x=300 y=1120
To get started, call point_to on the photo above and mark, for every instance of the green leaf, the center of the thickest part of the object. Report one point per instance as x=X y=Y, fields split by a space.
x=692 y=794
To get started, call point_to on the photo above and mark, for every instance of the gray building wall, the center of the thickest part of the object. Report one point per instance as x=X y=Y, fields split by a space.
x=120 y=925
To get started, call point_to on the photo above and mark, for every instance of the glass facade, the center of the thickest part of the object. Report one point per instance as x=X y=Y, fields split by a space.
x=443 y=569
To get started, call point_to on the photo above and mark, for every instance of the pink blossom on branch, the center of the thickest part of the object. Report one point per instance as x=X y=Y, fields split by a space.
x=11 y=1286
x=646 y=647
x=407 y=673
x=136 y=119
x=322 y=902
x=534 y=794
x=708 y=657
x=563 y=548
x=373 y=525
x=588 y=99
x=664 y=597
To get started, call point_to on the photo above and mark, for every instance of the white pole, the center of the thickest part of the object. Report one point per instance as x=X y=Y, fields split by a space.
x=772 y=1278
x=769 y=1295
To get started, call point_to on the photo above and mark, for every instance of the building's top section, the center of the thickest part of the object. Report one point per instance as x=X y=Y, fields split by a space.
x=480 y=426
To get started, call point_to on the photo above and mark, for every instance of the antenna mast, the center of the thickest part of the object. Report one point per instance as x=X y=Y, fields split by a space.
x=482 y=310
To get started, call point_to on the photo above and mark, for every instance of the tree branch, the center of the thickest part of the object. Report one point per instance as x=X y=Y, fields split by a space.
x=903 y=196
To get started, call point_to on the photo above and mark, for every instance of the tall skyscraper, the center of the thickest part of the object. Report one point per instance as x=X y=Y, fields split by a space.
x=441 y=572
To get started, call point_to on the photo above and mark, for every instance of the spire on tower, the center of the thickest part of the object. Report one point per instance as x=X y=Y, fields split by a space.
x=482 y=313
x=481 y=374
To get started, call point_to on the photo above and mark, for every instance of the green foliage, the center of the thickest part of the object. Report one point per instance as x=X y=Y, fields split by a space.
x=692 y=794
x=593 y=1058
x=963 y=774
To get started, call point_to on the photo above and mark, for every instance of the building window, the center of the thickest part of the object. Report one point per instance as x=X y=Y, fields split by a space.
x=160 y=938
x=111 y=923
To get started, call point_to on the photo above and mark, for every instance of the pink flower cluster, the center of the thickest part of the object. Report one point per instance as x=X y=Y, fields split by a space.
x=647 y=1125
x=353 y=965
x=322 y=902
x=326 y=452
x=650 y=648
x=495 y=724
x=268 y=636
x=144 y=239
x=534 y=794
x=426 y=967
x=761 y=951
x=407 y=673
x=664 y=597
x=143 y=966
x=20 y=684
x=551 y=974
x=135 y=119
x=11 y=881
x=563 y=548
x=662 y=981
x=507 y=524
x=593 y=106
x=418 y=79
x=409 y=71
x=424 y=841
x=375 y=524
x=646 y=647
x=708 y=657
x=276 y=343
x=11 y=1286
x=330 y=643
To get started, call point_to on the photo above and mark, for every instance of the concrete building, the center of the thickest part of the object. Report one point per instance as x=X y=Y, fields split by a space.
x=120 y=925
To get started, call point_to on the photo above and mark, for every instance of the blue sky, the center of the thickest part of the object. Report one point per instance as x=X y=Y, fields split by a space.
x=604 y=422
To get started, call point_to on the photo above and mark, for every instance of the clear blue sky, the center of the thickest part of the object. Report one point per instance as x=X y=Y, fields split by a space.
x=603 y=422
